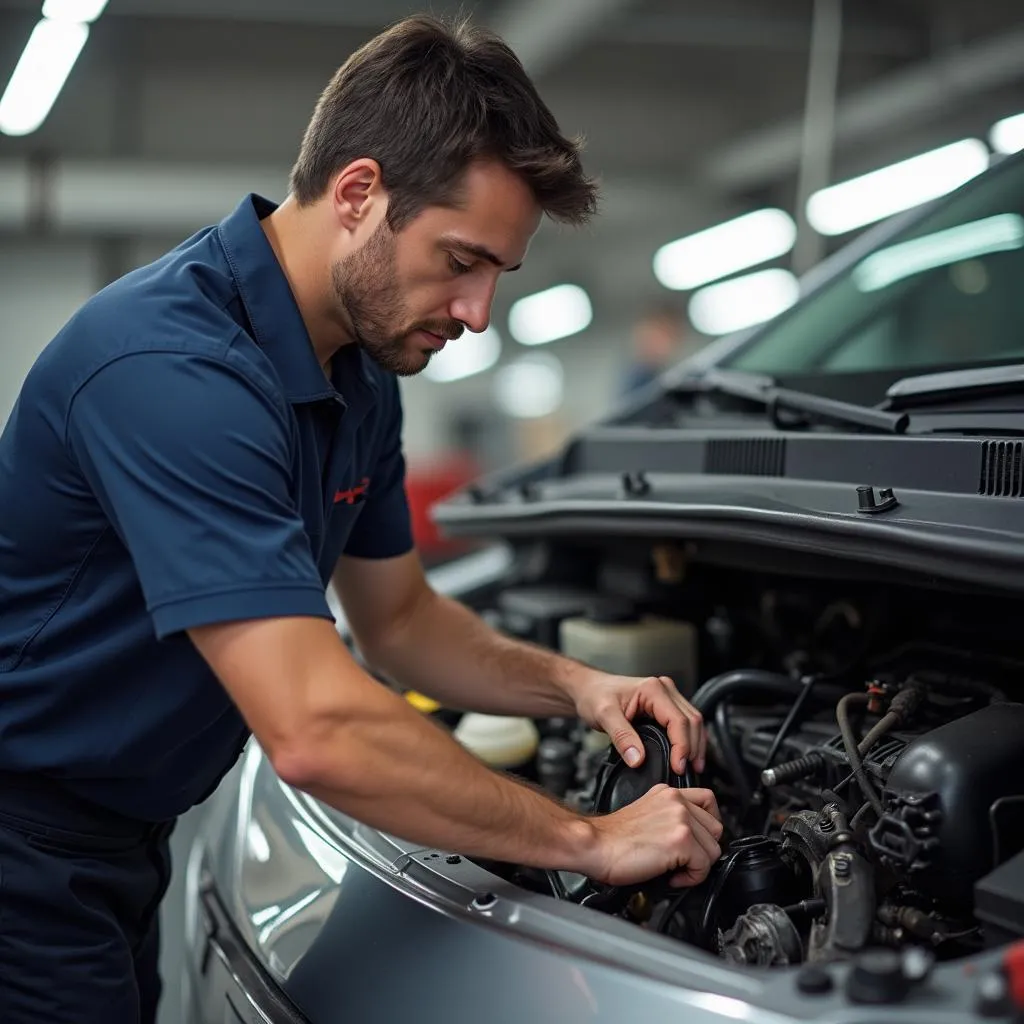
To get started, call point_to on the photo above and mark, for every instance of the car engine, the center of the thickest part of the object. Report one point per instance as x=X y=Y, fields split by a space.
x=870 y=793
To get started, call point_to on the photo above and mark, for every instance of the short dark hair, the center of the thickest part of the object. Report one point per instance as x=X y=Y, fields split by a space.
x=425 y=99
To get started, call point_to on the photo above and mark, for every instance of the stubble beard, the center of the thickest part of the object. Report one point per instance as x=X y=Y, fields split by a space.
x=366 y=287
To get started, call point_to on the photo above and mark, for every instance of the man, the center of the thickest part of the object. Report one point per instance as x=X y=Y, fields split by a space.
x=659 y=339
x=190 y=460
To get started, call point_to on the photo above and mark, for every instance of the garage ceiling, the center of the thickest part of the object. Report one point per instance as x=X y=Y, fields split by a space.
x=691 y=110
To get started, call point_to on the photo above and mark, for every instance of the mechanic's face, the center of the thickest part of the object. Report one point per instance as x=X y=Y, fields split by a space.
x=408 y=293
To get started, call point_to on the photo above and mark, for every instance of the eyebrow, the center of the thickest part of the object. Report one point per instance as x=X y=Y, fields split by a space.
x=480 y=251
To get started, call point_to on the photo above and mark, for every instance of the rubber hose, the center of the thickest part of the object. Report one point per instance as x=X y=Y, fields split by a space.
x=730 y=754
x=852 y=752
x=744 y=679
x=719 y=688
x=877 y=731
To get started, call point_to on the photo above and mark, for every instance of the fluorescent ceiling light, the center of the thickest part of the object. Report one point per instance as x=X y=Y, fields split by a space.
x=470 y=354
x=550 y=315
x=743 y=301
x=1007 y=136
x=859 y=201
x=45 y=64
x=530 y=387
x=1000 y=233
x=73 y=10
x=725 y=249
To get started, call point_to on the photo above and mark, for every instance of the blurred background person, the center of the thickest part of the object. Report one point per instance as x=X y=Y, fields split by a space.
x=660 y=338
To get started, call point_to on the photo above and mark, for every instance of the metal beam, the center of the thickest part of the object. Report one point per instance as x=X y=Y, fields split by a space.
x=758 y=32
x=115 y=197
x=819 y=125
x=299 y=12
x=542 y=32
x=921 y=92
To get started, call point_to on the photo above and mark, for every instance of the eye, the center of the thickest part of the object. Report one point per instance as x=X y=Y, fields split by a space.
x=457 y=266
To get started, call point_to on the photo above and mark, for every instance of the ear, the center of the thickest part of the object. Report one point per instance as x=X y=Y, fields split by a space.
x=358 y=189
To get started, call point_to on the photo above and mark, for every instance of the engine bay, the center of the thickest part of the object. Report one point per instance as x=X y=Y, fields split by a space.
x=866 y=748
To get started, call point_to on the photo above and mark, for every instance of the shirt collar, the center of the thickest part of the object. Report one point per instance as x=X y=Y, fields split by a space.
x=273 y=313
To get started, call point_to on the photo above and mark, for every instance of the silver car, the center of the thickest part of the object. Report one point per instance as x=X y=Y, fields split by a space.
x=818 y=529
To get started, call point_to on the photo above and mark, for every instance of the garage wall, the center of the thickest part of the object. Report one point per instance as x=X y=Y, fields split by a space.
x=41 y=285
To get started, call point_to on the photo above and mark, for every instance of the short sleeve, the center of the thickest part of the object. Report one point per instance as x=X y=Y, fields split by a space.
x=190 y=460
x=384 y=527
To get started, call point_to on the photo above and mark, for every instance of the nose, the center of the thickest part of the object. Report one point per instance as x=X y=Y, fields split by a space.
x=474 y=309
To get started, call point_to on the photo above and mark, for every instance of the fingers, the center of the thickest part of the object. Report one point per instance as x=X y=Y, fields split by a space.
x=704 y=799
x=706 y=830
x=665 y=831
x=665 y=704
x=695 y=840
x=700 y=840
x=623 y=736
x=701 y=852
x=695 y=724
x=656 y=702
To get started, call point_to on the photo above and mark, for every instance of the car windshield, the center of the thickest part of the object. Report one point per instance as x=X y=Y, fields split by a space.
x=947 y=292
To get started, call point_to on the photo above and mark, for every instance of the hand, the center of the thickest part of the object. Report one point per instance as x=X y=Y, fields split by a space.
x=610 y=703
x=666 y=830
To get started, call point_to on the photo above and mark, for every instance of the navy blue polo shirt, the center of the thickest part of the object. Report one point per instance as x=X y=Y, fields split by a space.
x=177 y=457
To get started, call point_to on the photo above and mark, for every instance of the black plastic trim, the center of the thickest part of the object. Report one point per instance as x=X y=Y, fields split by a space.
x=1002 y=469
x=249 y=978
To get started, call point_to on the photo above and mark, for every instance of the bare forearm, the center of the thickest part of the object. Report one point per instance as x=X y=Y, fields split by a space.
x=450 y=654
x=389 y=767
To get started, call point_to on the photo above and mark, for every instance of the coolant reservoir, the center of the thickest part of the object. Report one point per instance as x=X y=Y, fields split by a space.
x=498 y=741
x=648 y=646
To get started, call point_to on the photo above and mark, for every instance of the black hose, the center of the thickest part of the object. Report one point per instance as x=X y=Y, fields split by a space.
x=877 y=731
x=850 y=743
x=730 y=754
x=746 y=679
x=717 y=689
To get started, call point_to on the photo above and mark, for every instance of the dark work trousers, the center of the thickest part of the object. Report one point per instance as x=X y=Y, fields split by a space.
x=80 y=889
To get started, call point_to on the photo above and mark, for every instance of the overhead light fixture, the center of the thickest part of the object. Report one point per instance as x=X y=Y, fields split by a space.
x=549 y=315
x=44 y=66
x=83 y=11
x=725 y=249
x=530 y=387
x=464 y=357
x=901 y=186
x=1007 y=136
x=743 y=301
x=1000 y=233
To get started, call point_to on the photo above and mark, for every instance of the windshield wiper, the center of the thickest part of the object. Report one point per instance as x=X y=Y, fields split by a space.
x=817 y=408
x=952 y=385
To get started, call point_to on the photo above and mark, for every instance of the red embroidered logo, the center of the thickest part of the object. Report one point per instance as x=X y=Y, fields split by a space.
x=353 y=494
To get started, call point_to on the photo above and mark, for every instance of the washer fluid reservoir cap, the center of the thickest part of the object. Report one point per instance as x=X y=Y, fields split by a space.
x=498 y=741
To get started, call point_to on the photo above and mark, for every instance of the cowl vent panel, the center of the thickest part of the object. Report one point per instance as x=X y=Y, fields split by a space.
x=746 y=457
x=1002 y=469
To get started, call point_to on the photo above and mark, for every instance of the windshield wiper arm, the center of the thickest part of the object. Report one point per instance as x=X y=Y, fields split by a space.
x=764 y=390
x=951 y=385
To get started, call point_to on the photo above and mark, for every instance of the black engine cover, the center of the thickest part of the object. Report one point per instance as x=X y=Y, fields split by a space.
x=949 y=813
